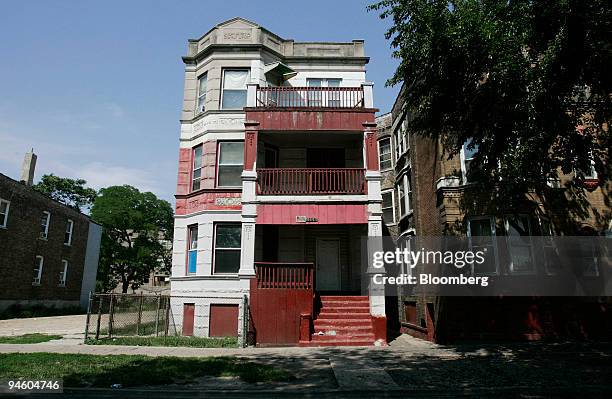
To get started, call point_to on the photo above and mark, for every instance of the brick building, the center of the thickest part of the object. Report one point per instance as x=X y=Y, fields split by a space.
x=440 y=200
x=49 y=250
x=278 y=181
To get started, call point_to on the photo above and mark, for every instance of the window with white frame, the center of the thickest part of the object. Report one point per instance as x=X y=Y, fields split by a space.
x=520 y=246
x=384 y=153
x=63 y=273
x=68 y=233
x=403 y=194
x=202 y=80
x=38 y=268
x=230 y=163
x=388 y=207
x=4 y=212
x=234 y=88
x=196 y=173
x=192 y=249
x=323 y=98
x=468 y=152
x=481 y=233
x=227 y=248
x=44 y=224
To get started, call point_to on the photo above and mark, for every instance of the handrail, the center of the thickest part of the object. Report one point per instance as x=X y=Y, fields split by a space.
x=287 y=275
x=311 y=181
x=310 y=97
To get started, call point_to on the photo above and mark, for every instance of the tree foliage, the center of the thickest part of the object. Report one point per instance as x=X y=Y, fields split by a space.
x=137 y=235
x=528 y=81
x=71 y=192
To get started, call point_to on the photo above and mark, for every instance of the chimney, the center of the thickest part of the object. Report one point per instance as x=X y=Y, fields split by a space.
x=27 y=169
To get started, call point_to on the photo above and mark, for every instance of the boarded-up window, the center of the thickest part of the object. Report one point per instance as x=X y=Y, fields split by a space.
x=223 y=320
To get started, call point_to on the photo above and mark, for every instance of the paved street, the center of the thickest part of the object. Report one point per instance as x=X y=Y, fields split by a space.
x=408 y=367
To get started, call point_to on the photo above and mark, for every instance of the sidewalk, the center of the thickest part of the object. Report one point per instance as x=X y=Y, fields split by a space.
x=409 y=367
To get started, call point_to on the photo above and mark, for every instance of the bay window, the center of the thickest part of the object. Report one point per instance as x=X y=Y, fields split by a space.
x=481 y=234
x=234 y=88
x=384 y=153
x=227 y=248
x=230 y=163
x=202 y=81
x=196 y=174
x=192 y=249
x=388 y=207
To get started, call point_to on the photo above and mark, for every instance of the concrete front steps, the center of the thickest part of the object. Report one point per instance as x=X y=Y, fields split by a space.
x=342 y=321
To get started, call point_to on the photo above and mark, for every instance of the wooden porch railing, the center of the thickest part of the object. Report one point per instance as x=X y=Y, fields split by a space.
x=285 y=275
x=310 y=181
x=310 y=97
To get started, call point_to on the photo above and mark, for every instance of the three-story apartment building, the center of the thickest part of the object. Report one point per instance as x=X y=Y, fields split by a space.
x=278 y=182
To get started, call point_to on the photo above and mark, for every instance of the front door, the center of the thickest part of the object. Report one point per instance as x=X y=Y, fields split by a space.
x=328 y=265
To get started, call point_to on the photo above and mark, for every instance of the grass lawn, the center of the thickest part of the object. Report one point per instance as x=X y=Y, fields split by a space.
x=196 y=342
x=28 y=339
x=131 y=370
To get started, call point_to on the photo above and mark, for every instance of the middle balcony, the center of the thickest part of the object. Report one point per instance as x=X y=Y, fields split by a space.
x=310 y=163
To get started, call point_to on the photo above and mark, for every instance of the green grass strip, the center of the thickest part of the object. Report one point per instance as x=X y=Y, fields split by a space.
x=28 y=339
x=195 y=342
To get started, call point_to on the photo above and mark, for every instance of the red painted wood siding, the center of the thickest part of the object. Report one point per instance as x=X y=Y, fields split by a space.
x=288 y=119
x=188 y=318
x=280 y=294
x=223 y=320
x=324 y=213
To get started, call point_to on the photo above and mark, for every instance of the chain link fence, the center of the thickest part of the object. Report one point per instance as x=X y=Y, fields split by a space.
x=138 y=315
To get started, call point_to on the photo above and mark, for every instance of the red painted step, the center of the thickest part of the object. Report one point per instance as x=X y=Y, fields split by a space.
x=342 y=321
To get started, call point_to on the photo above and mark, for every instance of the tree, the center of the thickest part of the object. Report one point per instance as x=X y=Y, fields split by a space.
x=71 y=192
x=135 y=228
x=527 y=82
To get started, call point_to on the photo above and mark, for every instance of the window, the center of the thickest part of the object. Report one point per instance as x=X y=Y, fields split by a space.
x=68 y=233
x=44 y=225
x=481 y=233
x=231 y=158
x=192 y=249
x=468 y=152
x=323 y=98
x=401 y=138
x=518 y=239
x=196 y=174
x=384 y=153
x=403 y=194
x=38 y=268
x=388 y=207
x=4 y=212
x=202 y=80
x=63 y=273
x=234 y=91
x=227 y=248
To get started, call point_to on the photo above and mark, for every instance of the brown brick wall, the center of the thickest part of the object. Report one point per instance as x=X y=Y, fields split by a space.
x=20 y=244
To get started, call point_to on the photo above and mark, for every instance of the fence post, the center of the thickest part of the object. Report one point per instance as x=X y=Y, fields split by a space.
x=157 y=315
x=167 y=316
x=99 y=317
x=88 y=315
x=111 y=310
x=139 y=315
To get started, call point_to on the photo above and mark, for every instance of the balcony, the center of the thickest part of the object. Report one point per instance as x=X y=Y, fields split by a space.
x=310 y=97
x=311 y=181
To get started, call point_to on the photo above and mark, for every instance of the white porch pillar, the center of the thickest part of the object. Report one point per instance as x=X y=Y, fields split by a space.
x=249 y=215
x=368 y=94
x=376 y=292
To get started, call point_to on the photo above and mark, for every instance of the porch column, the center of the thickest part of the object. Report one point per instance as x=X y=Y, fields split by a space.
x=249 y=216
x=370 y=146
x=250 y=144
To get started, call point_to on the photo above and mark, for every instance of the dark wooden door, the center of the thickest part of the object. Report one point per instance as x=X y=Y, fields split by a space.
x=223 y=320
x=188 y=318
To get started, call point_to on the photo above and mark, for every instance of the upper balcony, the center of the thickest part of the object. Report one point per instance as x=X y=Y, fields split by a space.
x=310 y=108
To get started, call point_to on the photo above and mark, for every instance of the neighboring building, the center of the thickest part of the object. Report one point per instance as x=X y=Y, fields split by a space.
x=278 y=179
x=435 y=188
x=387 y=159
x=49 y=250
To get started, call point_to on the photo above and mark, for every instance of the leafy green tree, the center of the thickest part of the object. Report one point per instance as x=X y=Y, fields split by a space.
x=137 y=227
x=71 y=192
x=528 y=82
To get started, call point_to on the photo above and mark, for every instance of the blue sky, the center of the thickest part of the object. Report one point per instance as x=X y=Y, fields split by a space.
x=96 y=86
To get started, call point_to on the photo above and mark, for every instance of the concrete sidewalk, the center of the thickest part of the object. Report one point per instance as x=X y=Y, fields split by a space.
x=408 y=367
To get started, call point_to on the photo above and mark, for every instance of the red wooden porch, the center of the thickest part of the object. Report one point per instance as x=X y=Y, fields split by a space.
x=310 y=97
x=311 y=181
